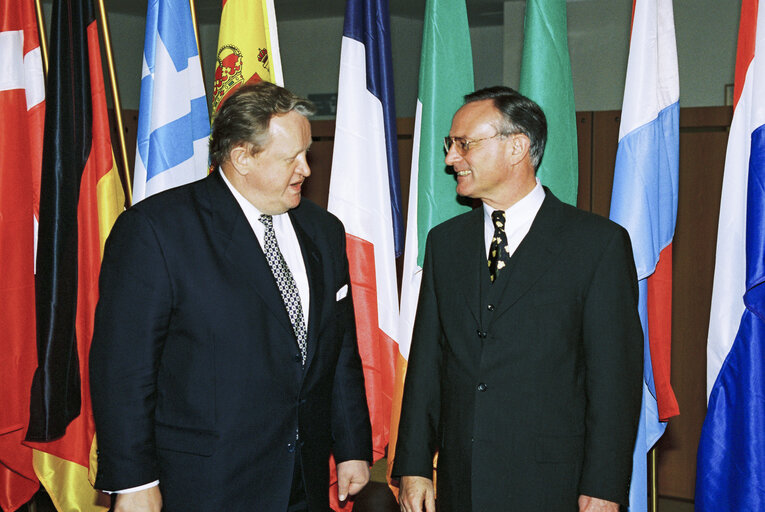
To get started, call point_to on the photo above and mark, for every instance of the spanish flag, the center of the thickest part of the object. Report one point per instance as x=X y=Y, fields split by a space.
x=80 y=198
x=248 y=47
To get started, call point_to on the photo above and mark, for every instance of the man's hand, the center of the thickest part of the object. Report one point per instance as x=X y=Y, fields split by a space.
x=414 y=491
x=352 y=476
x=590 y=504
x=147 y=500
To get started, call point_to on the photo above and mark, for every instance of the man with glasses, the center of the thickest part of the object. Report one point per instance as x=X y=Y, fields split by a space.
x=526 y=364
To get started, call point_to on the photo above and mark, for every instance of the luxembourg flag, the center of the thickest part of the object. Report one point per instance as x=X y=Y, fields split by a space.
x=364 y=192
x=173 y=120
x=730 y=469
x=644 y=201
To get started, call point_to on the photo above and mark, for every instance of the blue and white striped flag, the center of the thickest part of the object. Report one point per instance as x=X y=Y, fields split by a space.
x=173 y=119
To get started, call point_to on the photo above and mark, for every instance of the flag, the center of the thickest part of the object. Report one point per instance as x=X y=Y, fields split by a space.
x=22 y=110
x=80 y=198
x=730 y=469
x=644 y=201
x=248 y=47
x=446 y=76
x=365 y=194
x=546 y=79
x=173 y=120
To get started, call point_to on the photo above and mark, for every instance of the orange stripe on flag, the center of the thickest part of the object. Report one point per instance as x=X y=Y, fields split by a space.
x=378 y=351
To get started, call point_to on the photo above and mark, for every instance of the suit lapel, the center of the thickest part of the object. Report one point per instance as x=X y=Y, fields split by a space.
x=536 y=253
x=469 y=260
x=241 y=248
x=313 y=267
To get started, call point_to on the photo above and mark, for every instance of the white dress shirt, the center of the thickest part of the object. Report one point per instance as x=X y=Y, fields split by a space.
x=518 y=219
x=285 y=237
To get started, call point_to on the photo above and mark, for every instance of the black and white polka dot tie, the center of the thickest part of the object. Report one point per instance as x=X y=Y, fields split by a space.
x=285 y=282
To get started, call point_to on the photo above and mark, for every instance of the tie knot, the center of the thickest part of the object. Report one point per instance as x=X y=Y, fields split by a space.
x=267 y=221
x=498 y=218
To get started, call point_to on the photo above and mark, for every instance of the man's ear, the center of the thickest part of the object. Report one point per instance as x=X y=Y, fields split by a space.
x=519 y=147
x=240 y=158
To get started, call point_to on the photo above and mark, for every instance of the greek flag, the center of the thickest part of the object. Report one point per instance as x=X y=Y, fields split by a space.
x=173 y=120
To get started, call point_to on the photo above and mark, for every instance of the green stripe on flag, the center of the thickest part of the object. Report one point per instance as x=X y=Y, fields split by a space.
x=446 y=76
x=546 y=79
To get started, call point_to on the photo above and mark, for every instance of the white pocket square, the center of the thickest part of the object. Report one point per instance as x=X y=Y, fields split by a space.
x=342 y=292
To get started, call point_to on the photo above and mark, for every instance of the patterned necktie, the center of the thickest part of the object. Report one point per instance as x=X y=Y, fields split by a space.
x=498 y=254
x=285 y=282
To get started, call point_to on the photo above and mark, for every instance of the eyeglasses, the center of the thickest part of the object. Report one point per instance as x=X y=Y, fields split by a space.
x=463 y=145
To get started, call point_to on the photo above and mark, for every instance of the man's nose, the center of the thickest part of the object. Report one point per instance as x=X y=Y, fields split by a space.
x=452 y=156
x=303 y=168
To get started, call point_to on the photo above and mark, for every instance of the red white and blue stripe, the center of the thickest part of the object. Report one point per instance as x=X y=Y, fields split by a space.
x=644 y=201
x=173 y=120
x=364 y=193
x=730 y=469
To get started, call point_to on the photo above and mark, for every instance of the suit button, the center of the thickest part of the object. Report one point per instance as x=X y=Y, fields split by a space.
x=298 y=358
x=291 y=448
x=490 y=307
x=481 y=334
x=481 y=387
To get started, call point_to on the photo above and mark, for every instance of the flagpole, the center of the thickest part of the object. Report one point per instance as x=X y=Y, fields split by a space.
x=116 y=97
x=196 y=35
x=654 y=487
x=41 y=33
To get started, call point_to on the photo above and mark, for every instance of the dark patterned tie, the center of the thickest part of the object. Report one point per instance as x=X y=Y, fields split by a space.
x=285 y=282
x=498 y=254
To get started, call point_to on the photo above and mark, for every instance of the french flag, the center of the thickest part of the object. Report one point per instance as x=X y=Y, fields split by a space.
x=364 y=193
x=644 y=201
x=730 y=469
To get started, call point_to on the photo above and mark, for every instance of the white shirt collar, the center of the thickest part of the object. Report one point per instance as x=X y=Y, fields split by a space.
x=518 y=218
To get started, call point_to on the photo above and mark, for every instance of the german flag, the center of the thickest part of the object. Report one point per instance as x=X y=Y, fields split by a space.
x=81 y=196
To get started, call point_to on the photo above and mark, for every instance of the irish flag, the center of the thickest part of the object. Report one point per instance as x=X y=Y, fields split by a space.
x=446 y=76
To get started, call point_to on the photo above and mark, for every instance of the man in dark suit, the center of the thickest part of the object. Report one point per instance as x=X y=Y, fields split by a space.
x=224 y=364
x=526 y=361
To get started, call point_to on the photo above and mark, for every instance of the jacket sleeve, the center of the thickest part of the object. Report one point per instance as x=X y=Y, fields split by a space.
x=131 y=322
x=421 y=405
x=351 y=429
x=613 y=351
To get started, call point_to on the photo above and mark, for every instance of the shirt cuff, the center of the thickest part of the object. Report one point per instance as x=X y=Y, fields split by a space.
x=135 y=489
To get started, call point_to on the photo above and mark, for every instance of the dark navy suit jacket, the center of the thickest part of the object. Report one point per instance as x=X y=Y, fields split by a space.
x=196 y=375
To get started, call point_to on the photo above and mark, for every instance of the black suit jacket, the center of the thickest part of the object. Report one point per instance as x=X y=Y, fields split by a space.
x=196 y=374
x=529 y=388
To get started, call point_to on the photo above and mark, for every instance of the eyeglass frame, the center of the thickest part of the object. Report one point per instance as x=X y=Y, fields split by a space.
x=465 y=144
